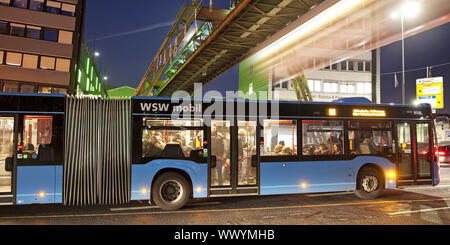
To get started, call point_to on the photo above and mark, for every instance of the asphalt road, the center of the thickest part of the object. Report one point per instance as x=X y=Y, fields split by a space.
x=417 y=205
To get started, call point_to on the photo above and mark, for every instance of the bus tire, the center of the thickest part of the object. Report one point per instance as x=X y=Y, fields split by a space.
x=370 y=183
x=171 y=191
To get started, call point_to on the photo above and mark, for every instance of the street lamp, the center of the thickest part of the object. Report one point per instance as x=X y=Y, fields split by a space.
x=408 y=10
x=96 y=54
x=105 y=78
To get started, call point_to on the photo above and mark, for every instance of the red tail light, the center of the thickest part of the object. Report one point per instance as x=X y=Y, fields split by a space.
x=442 y=153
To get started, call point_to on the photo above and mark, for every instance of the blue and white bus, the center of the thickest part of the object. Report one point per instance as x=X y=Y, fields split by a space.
x=89 y=151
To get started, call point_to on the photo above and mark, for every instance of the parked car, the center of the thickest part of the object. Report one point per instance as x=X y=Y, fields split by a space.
x=444 y=152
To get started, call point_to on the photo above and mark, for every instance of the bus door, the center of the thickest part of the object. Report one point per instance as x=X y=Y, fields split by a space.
x=7 y=145
x=233 y=162
x=414 y=153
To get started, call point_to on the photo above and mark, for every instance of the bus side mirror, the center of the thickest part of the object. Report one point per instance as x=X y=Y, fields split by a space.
x=213 y=161
x=9 y=164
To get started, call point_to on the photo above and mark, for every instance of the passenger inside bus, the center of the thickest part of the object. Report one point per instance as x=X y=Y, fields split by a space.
x=156 y=145
x=279 y=148
x=337 y=149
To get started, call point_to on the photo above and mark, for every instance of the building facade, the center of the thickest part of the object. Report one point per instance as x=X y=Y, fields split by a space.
x=354 y=77
x=40 y=45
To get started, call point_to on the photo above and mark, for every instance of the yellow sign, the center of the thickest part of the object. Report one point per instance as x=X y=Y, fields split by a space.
x=368 y=113
x=431 y=91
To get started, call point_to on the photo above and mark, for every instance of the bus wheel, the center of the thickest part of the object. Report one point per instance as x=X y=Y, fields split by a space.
x=370 y=183
x=171 y=191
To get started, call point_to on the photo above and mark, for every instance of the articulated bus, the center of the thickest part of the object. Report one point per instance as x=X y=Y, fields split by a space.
x=88 y=151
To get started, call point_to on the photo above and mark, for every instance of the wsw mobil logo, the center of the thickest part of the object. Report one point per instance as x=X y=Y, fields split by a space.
x=165 y=107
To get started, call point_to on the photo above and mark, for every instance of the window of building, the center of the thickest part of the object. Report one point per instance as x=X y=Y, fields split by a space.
x=322 y=137
x=10 y=87
x=350 y=88
x=20 y=3
x=367 y=66
x=3 y=27
x=37 y=5
x=1 y=57
x=53 y=7
x=370 y=138
x=68 y=9
x=34 y=32
x=63 y=65
x=65 y=37
x=360 y=65
x=50 y=34
x=360 y=88
x=344 y=65
x=26 y=88
x=45 y=90
x=280 y=138
x=14 y=59
x=351 y=65
x=17 y=30
x=4 y=2
x=47 y=63
x=334 y=67
x=330 y=87
x=30 y=61
x=59 y=91
x=157 y=134
x=343 y=88
x=368 y=88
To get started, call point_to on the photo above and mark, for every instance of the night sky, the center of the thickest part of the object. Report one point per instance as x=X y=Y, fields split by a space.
x=129 y=35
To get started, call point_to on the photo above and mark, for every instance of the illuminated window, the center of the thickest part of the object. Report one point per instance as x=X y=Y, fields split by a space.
x=368 y=88
x=311 y=85
x=63 y=65
x=370 y=138
x=30 y=61
x=322 y=137
x=65 y=37
x=68 y=9
x=343 y=88
x=181 y=132
x=280 y=138
x=14 y=59
x=4 y=2
x=330 y=87
x=45 y=90
x=360 y=88
x=47 y=63
x=350 y=88
x=1 y=57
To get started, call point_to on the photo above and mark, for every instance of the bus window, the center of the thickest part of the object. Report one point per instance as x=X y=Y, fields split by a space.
x=280 y=138
x=37 y=138
x=370 y=138
x=158 y=133
x=423 y=150
x=322 y=137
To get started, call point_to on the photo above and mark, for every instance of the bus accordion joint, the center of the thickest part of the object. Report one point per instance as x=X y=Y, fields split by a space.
x=369 y=113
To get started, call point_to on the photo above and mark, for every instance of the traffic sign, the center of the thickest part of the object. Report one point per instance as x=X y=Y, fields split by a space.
x=431 y=91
